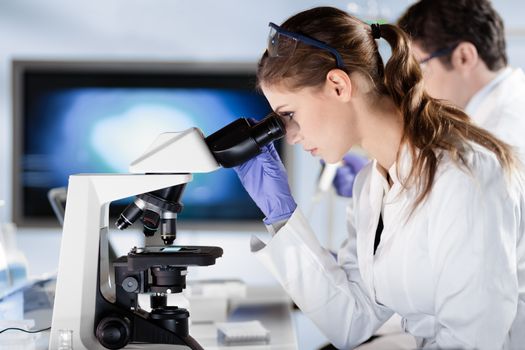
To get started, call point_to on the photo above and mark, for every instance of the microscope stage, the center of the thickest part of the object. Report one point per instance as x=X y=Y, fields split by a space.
x=141 y=258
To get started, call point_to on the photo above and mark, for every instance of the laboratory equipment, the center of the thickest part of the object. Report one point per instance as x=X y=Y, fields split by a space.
x=98 y=299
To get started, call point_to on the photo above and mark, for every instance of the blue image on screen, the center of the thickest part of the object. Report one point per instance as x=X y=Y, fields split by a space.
x=102 y=130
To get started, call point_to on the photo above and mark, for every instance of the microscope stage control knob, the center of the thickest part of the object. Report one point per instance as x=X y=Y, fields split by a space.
x=130 y=284
x=113 y=332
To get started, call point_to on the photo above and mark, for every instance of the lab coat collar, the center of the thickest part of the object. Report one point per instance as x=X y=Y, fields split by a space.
x=481 y=95
x=398 y=172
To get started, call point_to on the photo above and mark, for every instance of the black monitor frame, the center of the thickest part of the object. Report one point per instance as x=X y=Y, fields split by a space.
x=240 y=73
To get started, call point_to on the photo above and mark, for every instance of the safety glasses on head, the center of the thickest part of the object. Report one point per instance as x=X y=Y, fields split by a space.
x=282 y=43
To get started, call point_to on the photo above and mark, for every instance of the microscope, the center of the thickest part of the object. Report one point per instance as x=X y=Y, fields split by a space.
x=97 y=296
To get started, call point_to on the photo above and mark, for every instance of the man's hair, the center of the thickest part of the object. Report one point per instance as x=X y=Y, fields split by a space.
x=439 y=24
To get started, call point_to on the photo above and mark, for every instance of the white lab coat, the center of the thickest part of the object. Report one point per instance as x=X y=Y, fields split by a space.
x=499 y=107
x=450 y=270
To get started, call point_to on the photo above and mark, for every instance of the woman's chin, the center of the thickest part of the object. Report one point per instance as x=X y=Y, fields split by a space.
x=330 y=159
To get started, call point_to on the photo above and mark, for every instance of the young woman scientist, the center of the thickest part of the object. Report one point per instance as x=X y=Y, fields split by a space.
x=444 y=197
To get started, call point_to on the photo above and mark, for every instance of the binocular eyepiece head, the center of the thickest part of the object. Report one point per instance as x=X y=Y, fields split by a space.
x=232 y=145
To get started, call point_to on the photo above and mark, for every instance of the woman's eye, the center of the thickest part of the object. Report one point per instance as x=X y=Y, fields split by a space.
x=287 y=116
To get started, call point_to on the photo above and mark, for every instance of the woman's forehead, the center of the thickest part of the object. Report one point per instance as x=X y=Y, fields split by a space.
x=285 y=91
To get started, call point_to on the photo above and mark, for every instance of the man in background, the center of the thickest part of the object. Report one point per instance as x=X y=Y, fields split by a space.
x=461 y=48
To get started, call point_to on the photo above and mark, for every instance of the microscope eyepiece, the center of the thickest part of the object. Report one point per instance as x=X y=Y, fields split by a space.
x=240 y=141
x=269 y=129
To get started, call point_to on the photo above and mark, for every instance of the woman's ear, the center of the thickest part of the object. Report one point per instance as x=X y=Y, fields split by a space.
x=339 y=85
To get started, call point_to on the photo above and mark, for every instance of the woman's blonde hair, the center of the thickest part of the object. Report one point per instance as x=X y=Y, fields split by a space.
x=429 y=125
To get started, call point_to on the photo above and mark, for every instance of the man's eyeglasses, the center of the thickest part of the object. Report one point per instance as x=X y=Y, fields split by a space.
x=439 y=53
x=282 y=43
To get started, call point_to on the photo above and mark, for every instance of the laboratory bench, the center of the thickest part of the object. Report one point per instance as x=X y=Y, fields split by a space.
x=269 y=305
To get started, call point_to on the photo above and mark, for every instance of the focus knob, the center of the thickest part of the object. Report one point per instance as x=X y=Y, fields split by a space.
x=113 y=332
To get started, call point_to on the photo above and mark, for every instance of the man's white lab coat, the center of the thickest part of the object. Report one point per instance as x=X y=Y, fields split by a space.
x=451 y=269
x=499 y=107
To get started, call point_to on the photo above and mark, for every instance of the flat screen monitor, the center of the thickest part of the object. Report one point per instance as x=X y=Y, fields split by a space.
x=78 y=117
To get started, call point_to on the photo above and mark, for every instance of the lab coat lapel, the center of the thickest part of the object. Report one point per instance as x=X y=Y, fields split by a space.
x=370 y=209
x=368 y=219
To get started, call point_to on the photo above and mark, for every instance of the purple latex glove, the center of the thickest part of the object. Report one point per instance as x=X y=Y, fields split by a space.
x=345 y=175
x=264 y=178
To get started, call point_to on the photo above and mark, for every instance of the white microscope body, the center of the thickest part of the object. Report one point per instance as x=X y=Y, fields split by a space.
x=169 y=161
x=97 y=299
